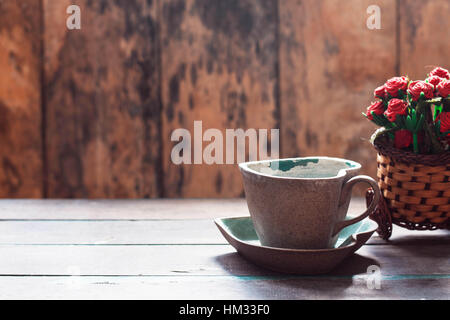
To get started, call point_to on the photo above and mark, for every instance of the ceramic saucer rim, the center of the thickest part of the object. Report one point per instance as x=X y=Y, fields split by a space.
x=353 y=243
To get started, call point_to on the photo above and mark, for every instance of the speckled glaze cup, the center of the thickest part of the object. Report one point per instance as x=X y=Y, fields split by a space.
x=302 y=203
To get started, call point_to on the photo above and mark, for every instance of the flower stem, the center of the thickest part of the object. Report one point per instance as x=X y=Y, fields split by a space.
x=424 y=108
x=415 y=143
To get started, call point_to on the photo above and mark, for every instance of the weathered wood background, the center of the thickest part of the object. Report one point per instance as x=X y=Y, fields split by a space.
x=89 y=113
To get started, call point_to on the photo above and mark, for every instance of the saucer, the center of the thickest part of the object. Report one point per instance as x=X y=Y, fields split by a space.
x=240 y=233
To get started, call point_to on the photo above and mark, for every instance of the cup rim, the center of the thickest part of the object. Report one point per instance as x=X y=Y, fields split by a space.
x=244 y=167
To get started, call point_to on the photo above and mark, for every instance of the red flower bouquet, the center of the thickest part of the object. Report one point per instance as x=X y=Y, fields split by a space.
x=414 y=115
x=413 y=146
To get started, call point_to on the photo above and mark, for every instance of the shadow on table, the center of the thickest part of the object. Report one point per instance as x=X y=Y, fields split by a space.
x=428 y=248
x=337 y=280
x=354 y=265
x=419 y=240
x=426 y=244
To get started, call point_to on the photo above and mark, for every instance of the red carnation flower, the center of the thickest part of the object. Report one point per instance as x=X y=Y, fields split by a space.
x=375 y=107
x=395 y=84
x=440 y=72
x=403 y=138
x=396 y=107
x=380 y=92
x=417 y=87
x=445 y=121
x=443 y=88
x=434 y=80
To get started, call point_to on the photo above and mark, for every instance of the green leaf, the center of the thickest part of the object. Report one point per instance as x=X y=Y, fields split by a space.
x=412 y=123
x=409 y=123
x=437 y=128
x=420 y=123
x=422 y=96
x=409 y=97
x=382 y=121
x=400 y=121
x=438 y=110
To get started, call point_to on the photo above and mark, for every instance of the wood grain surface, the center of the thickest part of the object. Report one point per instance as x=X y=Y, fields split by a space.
x=205 y=288
x=330 y=63
x=200 y=260
x=424 y=37
x=219 y=66
x=62 y=257
x=144 y=232
x=21 y=165
x=103 y=106
x=89 y=113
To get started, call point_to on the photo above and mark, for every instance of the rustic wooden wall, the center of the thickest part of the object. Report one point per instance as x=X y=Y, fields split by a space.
x=89 y=113
x=21 y=165
x=330 y=63
x=102 y=100
x=219 y=65
x=424 y=36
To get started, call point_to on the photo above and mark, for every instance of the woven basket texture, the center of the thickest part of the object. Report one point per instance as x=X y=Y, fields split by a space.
x=416 y=187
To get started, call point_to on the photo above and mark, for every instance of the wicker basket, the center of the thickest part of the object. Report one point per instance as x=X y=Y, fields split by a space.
x=416 y=188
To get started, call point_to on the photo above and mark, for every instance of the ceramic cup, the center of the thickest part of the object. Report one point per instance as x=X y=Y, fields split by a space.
x=302 y=203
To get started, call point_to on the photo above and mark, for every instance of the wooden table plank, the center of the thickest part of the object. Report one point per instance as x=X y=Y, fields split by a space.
x=195 y=260
x=110 y=232
x=146 y=232
x=121 y=209
x=121 y=249
x=213 y=288
x=130 y=209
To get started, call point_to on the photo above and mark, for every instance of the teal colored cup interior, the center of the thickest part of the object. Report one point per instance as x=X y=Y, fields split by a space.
x=304 y=168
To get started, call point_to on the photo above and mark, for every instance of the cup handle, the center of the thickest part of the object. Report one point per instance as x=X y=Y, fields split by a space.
x=346 y=192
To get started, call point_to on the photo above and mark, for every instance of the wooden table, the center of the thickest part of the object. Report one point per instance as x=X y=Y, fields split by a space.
x=170 y=249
